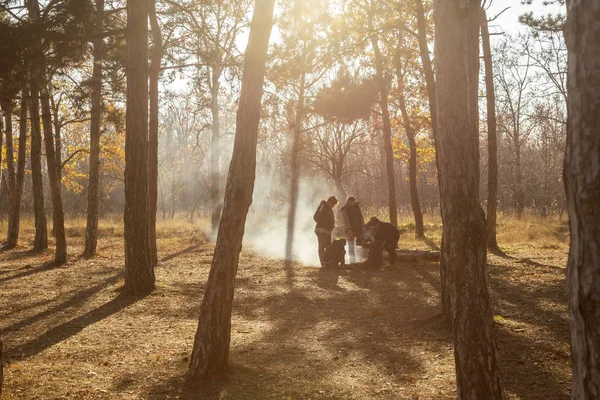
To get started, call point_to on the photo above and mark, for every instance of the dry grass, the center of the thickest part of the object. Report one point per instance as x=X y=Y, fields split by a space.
x=297 y=332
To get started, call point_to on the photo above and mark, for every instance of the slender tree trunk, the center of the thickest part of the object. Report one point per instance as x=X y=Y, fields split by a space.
x=387 y=130
x=93 y=204
x=41 y=230
x=431 y=95
x=295 y=165
x=139 y=273
x=157 y=51
x=10 y=163
x=490 y=95
x=58 y=219
x=428 y=73
x=15 y=206
x=215 y=152
x=211 y=345
x=582 y=184
x=412 y=162
x=464 y=231
x=9 y=124
x=519 y=195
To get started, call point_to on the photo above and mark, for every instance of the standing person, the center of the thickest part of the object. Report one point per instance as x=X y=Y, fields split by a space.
x=354 y=225
x=325 y=223
x=388 y=234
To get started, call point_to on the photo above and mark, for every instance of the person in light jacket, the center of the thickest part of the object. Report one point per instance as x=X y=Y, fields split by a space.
x=354 y=225
x=325 y=223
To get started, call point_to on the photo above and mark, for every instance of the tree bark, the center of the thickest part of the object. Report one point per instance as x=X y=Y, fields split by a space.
x=215 y=151
x=387 y=128
x=41 y=230
x=58 y=219
x=582 y=184
x=157 y=50
x=14 y=215
x=490 y=96
x=139 y=273
x=464 y=231
x=412 y=162
x=431 y=95
x=93 y=204
x=211 y=345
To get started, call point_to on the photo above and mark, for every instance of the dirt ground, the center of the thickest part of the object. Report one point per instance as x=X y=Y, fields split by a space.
x=298 y=332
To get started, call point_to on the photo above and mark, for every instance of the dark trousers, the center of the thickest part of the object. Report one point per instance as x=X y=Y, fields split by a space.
x=390 y=246
x=324 y=241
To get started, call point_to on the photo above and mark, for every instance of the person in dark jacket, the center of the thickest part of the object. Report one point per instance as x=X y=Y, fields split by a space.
x=387 y=234
x=325 y=223
x=354 y=225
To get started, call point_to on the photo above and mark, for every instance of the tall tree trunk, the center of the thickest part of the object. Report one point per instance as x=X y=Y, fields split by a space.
x=490 y=96
x=139 y=273
x=215 y=151
x=428 y=73
x=93 y=204
x=519 y=191
x=41 y=230
x=10 y=161
x=412 y=162
x=582 y=184
x=387 y=128
x=157 y=50
x=464 y=231
x=8 y=126
x=431 y=95
x=58 y=219
x=295 y=164
x=15 y=206
x=211 y=345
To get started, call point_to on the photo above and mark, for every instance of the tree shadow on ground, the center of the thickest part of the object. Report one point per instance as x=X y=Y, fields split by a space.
x=189 y=249
x=30 y=270
x=69 y=328
x=333 y=319
x=75 y=300
x=533 y=333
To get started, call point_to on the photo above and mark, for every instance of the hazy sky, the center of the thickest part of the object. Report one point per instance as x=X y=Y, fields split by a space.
x=509 y=20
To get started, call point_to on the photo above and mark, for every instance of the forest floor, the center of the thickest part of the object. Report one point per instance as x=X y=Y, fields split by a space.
x=297 y=332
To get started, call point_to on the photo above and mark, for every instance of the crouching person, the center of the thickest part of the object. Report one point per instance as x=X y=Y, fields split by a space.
x=354 y=225
x=325 y=223
x=335 y=254
x=388 y=235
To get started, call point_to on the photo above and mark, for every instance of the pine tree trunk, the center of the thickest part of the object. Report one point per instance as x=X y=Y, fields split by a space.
x=2 y=105
x=10 y=167
x=41 y=230
x=431 y=95
x=412 y=162
x=210 y=355
x=387 y=129
x=139 y=273
x=490 y=95
x=428 y=73
x=215 y=152
x=582 y=184
x=14 y=216
x=58 y=219
x=464 y=231
x=157 y=51
x=295 y=165
x=91 y=231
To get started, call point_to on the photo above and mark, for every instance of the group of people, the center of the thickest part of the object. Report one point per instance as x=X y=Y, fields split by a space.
x=375 y=235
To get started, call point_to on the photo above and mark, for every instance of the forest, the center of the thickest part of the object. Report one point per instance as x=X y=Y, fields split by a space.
x=335 y=199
